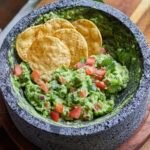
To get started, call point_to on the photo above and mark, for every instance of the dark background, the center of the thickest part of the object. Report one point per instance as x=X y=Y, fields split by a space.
x=8 y=9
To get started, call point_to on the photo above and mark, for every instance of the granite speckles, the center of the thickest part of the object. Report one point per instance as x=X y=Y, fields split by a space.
x=105 y=135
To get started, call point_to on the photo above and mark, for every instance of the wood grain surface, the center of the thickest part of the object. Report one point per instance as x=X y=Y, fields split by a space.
x=139 y=12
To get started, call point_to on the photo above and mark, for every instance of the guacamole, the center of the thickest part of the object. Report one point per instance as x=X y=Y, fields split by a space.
x=95 y=85
x=84 y=92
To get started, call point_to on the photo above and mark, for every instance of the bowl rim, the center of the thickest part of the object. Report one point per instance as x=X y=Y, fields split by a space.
x=140 y=95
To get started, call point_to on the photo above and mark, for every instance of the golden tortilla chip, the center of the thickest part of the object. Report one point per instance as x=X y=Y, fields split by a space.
x=54 y=24
x=26 y=38
x=47 y=54
x=91 y=33
x=59 y=23
x=75 y=42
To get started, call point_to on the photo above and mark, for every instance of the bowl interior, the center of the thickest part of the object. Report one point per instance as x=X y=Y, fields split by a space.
x=117 y=39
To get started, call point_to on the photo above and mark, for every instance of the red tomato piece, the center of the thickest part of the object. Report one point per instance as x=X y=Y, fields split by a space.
x=79 y=65
x=55 y=116
x=101 y=85
x=59 y=108
x=100 y=73
x=90 y=70
x=90 y=61
x=83 y=93
x=35 y=75
x=75 y=112
x=99 y=78
x=43 y=87
x=17 y=70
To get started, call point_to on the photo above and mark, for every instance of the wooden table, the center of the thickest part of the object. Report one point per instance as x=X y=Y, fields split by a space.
x=139 y=12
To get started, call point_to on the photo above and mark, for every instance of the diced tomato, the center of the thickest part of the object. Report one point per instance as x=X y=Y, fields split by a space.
x=62 y=80
x=55 y=116
x=35 y=75
x=75 y=112
x=102 y=50
x=99 y=78
x=100 y=73
x=59 y=108
x=43 y=86
x=90 y=61
x=79 y=65
x=101 y=85
x=17 y=70
x=83 y=93
x=90 y=70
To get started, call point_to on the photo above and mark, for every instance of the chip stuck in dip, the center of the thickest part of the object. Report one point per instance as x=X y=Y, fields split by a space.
x=65 y=72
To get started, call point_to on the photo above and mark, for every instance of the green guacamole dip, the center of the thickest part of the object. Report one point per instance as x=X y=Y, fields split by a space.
x=76 y=94
x=73 y=93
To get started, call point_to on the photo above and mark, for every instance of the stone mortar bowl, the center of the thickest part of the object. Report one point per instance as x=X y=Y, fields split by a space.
x=107 y=132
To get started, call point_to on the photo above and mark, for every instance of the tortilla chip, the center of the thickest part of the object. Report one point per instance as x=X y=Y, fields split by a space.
x=59 y=23
x=25 y=40
x=91 y=33
x=47 y=54
x=75 y=42
x=53 y=25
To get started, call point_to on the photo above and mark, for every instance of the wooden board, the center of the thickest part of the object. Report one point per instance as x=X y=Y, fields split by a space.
x=137 y=10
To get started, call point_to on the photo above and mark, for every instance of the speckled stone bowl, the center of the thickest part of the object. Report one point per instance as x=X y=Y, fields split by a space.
x=100 y=134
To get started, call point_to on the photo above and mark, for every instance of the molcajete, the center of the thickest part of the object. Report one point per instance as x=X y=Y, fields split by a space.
x=125 y=43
